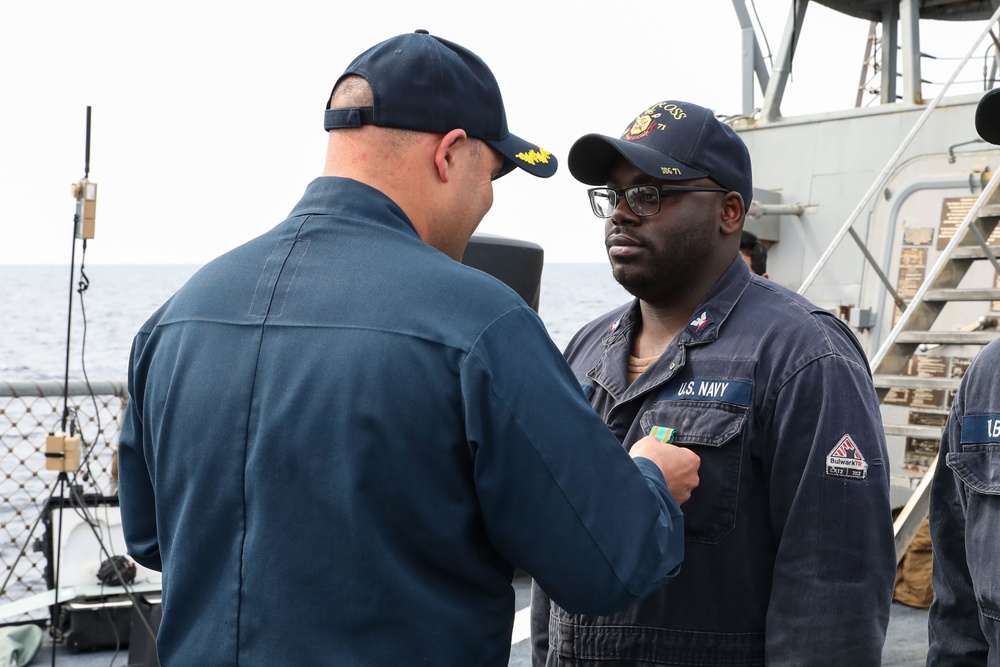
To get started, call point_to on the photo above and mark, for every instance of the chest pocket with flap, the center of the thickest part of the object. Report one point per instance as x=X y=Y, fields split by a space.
x=709 y=416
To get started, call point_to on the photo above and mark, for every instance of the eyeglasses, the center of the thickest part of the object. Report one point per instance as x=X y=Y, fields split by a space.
x=644 y=200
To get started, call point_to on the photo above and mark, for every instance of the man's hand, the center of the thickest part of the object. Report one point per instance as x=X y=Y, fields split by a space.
x=678 y=465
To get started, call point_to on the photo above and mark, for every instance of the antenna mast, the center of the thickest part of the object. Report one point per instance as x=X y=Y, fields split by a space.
x=85 y=193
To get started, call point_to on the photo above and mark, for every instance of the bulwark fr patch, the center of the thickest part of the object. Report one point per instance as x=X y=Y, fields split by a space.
x=846 y=460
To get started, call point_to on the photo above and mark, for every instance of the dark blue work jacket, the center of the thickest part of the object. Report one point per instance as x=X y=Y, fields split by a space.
x=341 y=443
x=964 y=622
x=789 y=552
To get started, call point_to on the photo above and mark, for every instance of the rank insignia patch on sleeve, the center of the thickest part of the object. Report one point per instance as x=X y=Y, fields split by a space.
x=846 y=460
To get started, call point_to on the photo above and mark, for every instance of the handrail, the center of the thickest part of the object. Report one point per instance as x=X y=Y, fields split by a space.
x=917 y=506
x=906 y=524
x=42 y=388
x=932 y=275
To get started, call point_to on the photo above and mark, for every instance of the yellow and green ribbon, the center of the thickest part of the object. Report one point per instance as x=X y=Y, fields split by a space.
x=663 y=433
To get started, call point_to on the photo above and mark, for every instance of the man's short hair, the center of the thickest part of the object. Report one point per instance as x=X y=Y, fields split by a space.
x=756 y=251
x=351 y=91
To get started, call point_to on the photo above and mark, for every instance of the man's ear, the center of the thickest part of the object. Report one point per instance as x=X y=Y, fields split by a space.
x=444 y=154
x=732 y=214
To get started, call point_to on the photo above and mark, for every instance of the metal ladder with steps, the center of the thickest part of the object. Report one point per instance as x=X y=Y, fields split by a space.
x=913 y=333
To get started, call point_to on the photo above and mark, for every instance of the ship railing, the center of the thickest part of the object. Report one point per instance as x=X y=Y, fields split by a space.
x=30 y=411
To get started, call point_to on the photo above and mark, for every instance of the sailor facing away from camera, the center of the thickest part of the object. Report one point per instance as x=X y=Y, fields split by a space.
x=341 y=441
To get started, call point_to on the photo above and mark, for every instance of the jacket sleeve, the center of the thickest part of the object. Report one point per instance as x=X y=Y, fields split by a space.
x=135 y=486
x=835 y=560
x=953 y=625
x=559 y=496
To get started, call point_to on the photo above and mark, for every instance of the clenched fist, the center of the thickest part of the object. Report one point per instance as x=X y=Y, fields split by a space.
x=678 y=465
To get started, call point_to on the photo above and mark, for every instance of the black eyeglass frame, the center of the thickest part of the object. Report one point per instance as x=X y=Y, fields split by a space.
x=627 y=192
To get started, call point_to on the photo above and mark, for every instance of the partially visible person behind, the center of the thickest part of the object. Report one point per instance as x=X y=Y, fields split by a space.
x=789 y=552
x=341 y=441
x=964 y=620
x=754 y=253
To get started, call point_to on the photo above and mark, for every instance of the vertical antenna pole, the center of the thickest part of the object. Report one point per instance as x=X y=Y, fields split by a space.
x=72 y=271
x=86 y=153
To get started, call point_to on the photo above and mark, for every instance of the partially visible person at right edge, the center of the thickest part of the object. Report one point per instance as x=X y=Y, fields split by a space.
x=789 y=551
x=964 y=621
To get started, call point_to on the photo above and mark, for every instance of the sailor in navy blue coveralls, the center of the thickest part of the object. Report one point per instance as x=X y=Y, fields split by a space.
x=789 y=551
x=965 y=520
x=964 y=622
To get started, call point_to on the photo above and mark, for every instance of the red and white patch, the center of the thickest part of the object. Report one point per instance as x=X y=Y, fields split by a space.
x=846 y=460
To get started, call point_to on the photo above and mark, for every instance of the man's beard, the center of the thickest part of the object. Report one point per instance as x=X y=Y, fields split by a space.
x=647 y=285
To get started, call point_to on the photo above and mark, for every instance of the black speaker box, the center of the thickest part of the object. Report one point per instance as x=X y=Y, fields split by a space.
x=516 y=263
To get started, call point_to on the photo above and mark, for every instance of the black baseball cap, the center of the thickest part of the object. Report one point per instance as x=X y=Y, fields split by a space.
x=425 y=83
x=670 y=141
x=988 y=117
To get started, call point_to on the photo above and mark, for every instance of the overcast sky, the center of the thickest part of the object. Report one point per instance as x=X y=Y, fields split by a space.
x=207 y=116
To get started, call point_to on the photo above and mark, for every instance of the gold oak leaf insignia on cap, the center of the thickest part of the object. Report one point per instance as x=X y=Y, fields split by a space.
x=534 y=157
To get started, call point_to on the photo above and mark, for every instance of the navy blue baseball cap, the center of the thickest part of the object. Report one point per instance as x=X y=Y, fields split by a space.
x=670 y=141
x=988 y=117
x=425 y=83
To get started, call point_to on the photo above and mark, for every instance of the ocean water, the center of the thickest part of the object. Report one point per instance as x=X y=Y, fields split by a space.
x=35 y=309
